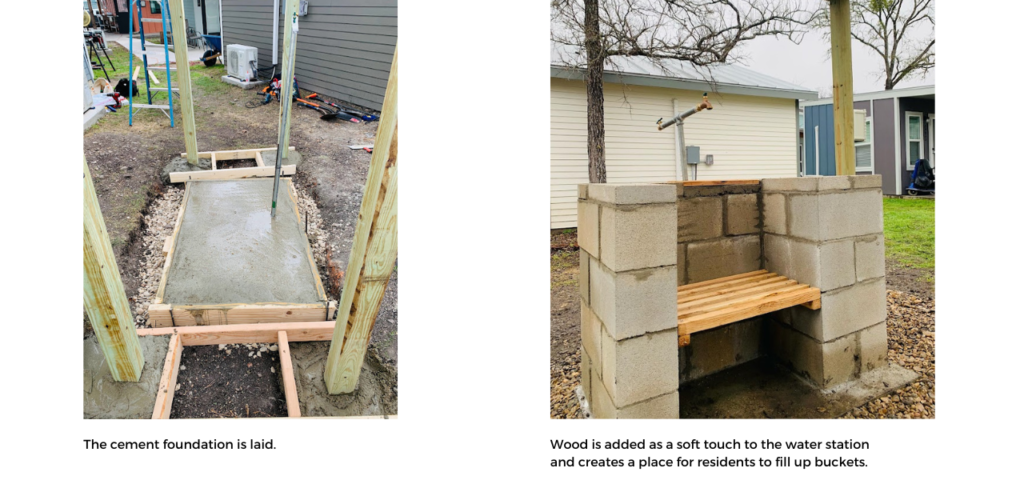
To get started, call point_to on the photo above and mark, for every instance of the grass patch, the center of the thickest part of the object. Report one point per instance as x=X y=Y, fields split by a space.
x=910 y=232
x=564 y=264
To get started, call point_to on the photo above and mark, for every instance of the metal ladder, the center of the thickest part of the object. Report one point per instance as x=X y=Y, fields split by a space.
x=132 y=106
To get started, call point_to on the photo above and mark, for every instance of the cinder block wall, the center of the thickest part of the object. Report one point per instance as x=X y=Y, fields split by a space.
x=827 y=232
x=627 y=236
x=719 y=234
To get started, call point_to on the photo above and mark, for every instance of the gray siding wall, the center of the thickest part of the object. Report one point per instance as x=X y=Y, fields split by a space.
x=885 y=143
x=343 y=50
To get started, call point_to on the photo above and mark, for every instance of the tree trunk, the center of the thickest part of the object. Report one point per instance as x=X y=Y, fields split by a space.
x=595 y=92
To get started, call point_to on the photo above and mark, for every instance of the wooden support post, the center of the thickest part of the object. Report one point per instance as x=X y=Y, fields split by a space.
x=291 y=396
x=290 y=13
x=184 y=81
x=374 y=251
x=105 y=300
x=842 y=86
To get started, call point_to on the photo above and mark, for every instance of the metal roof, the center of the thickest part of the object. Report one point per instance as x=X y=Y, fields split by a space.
x=926 y=91
x=568 y=63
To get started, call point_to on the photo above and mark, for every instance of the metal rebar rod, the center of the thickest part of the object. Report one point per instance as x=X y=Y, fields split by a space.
x=285 y=96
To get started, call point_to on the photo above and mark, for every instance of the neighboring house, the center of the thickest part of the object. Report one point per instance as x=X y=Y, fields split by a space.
x=751 y=133
x=900 y=130
x=203 y=16
x=343 y=50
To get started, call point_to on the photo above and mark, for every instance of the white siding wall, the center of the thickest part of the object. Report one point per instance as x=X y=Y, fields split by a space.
x=750 y=138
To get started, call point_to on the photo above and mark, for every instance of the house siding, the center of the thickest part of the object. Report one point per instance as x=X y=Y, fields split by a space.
x=750 y=138
x=824 y=157
x=913 y=105
x=344 y=48
x=884 y=143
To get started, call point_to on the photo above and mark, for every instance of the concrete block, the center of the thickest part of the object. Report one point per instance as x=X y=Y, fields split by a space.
x=718 y=190
x=722 y=257
x=802 y=218
x=582 y=191
x=681 y=264
x=800 y=353
x=840 y=361
x=636 y=302
x=838 y=267
x=584 y=278
x=638 y=236
x=870 y=254
x=700 y=218
x=665 y=406
x=742 y=215
x=874 y=347
x=843 y=311
x=867 y=181
x=775 y=213
x=587 y=231
x=852 y=214
x=790 y=184
x=632 y=194
x=585 y=379
x=839 y=182
x=640 y=368
x=590 y=335
x=714 y=350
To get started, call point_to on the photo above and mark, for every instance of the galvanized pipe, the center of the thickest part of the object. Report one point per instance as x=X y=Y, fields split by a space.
x=285 y=96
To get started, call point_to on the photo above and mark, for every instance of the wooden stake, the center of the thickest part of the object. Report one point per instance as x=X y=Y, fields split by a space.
x=842 y=86
x=291 y=8
x=105 y=300
x=168 y=379
x=184 y=81
x=291 y=396
x=374 y=250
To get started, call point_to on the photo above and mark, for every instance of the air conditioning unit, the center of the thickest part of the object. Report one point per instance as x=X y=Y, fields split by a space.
x=241 y=62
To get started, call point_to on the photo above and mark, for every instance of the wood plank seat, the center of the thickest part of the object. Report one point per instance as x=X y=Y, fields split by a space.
x=713 y=303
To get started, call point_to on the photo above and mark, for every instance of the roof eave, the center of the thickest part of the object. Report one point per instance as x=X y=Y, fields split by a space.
x=684 y=84
x=884 y=94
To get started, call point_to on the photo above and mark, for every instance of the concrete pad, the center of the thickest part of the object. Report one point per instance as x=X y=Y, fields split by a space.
x=92 y=116
x=309 y=360
x=229 y=250
x=587 y=230
x=722 y=257
x=106 y=398
x=741 y=214
x=699 y=218
x=763 y=389
x=638 y=236
x=243 y=84
x=632 y=194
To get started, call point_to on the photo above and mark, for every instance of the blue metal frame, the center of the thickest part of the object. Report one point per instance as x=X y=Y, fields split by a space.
x=145 y=58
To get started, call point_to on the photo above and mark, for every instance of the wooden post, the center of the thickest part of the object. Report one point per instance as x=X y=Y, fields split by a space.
x=842 y=86
x=105 y=301
x=374 y=250
x=290 y=12
x=184 y=80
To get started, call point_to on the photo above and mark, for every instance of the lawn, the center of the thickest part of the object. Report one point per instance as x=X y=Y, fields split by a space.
x=910 y=232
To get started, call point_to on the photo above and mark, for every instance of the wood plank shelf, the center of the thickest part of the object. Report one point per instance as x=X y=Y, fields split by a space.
x=713 y=303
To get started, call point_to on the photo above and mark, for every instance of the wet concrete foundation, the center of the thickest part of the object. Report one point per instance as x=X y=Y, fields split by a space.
x=106 y=398
x=375 y=395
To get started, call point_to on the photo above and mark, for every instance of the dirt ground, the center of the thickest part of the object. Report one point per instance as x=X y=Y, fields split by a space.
x=125 y=162
x=216 y=384
x=911 y=331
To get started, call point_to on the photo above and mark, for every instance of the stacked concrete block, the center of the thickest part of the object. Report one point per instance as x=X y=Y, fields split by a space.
x=627 y=236
x=827 y=232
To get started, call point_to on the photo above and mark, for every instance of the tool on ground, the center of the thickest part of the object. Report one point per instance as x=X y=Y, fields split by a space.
x=348 y=110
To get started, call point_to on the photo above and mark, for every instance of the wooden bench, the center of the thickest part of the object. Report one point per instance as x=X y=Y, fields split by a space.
x=713 y=303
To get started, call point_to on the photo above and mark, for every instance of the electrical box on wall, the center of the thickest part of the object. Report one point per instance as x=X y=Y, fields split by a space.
x=303 y=8
x=860 y=125
x=709 y=160
x=692 y=155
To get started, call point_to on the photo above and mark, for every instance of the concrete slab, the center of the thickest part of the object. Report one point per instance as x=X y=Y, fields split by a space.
x=763 y=389
x=106 y=398
x=92 y=116
x=229 y=250
x=372 y=396
x=244 y=84
x=154 y=51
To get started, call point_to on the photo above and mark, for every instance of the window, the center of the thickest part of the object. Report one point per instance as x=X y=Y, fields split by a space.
x=915 y=139
x=863 y=151
x=154 y=6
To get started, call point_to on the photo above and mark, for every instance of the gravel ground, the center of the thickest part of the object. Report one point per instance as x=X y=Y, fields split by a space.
x=911 y=328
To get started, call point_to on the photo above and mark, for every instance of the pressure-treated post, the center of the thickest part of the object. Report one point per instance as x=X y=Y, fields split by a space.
x=105 y=301
x=287 y=65
x=373 y=255
x=842 y=85
x=184 y=80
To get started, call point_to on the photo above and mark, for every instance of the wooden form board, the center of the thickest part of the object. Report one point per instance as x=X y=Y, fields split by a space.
x=260 y=170
x=281 y=333
x=713 y=303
